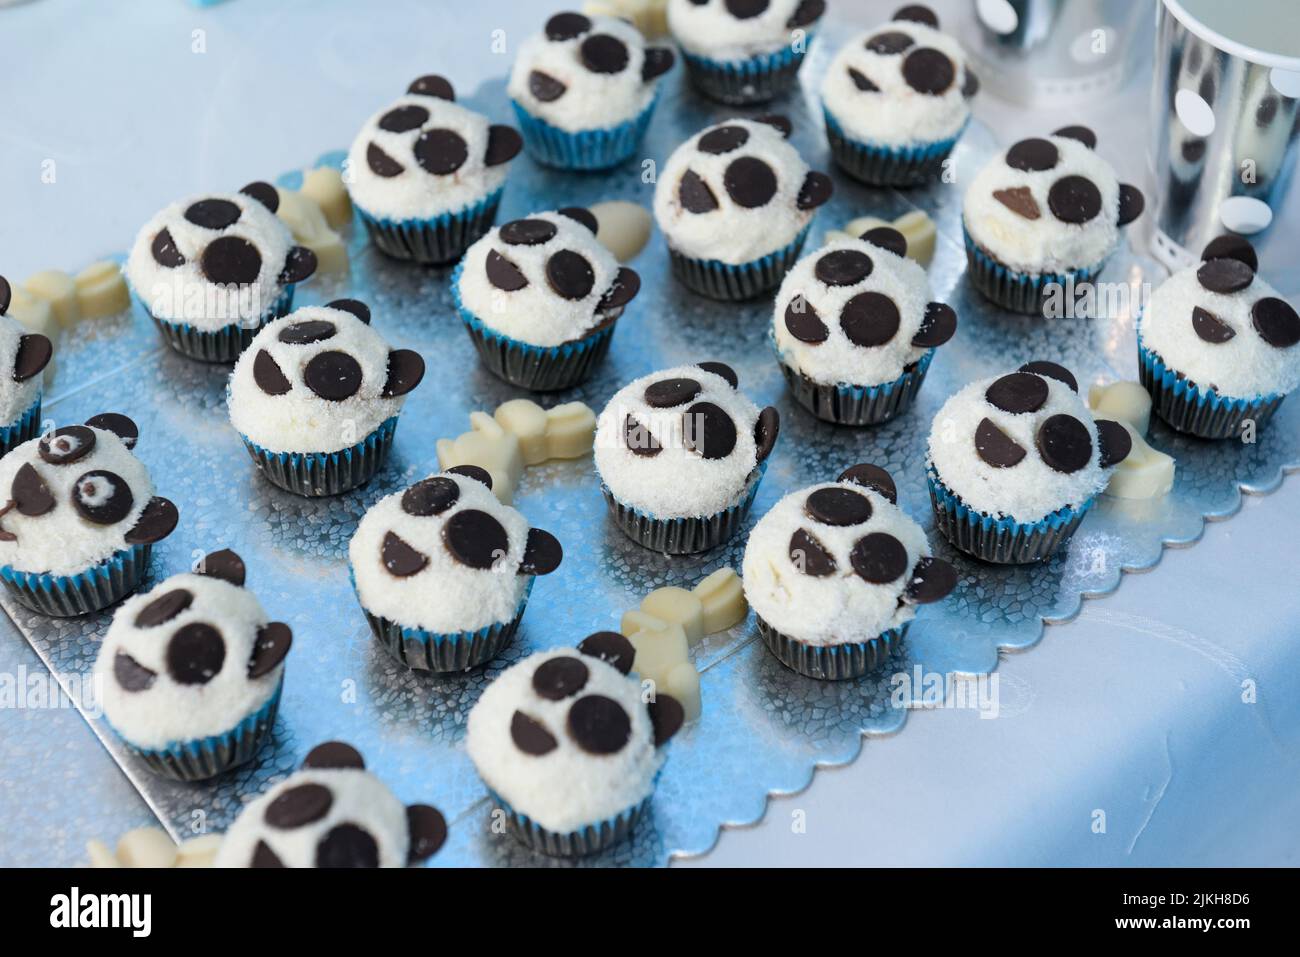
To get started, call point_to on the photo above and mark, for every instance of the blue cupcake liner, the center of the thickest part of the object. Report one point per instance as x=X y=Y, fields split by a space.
x=203 y=758
x=684 y=536
x=743 y=82
x=583 y=842
x=1197 y=410
x=1017 y=291
x=23 y=429
x=735 y=283
x=316 y=474
x=540 y=368
x=856 y=404
x=1002 y=541
x=583 y=149
x=437 y=241
x=849 y=659
x=877 y=164
x=444 y=652
x=220 y=345
x=67 y=596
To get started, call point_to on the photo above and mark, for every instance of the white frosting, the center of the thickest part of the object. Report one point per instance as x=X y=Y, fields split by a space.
x=1029 y=490
x=832 y=609
x=567 y=788
x=897 y=115
x=168 y=711
x=15 y=397
x=357 y=798
x=445 y=596
x=183 y=293
x=537 y=314
x=61 y=542
x=300 y=420
x=837 y=360
x=591 y=100
x=709 y=29
x=1043 y=245
x=678 y=482
x=733 y=233
x=415 y=193
x=1245 y=366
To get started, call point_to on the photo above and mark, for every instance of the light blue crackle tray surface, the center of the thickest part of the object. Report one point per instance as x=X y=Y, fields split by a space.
x=764 y=729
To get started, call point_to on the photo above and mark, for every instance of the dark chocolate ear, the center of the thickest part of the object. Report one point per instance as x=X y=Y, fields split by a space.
x=1115 y=442
x=1231 y=246
x=225 y=565
x=334 y=755
x=658 y=61
x=428 y=832
x=626 y=285
x=542 y=553
x=666 y=717
x=298 y=265
x=431 y=84
x=119 y=425
x=971 y=85
x=1131 y=203
x=272 y=644
x=5 y=295
x=722 y=369
x=887 y=238
x=766 y=430
x=816 y=190
x=780 y=123
x=932 y=579
x=581 y=214
x=475 y=472
x=938 y=325
x=34 y=354
x=156 y=522
x=354 y=306
x=504 y=144
x=918 y=13
x=405 y=370
x=611 y=648
x=807 y=13
x=264 y=193
x=873 y=477
x=1082 y=134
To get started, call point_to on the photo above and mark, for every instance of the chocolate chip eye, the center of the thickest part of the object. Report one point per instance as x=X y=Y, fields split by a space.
x=749 y=182
x=381 y=164
x=502 y=273
x=400 y=119
x=638 y=439
x=560 y=678
x=66 y=445
x=570 y=275
x=1017 y=393
x=802 y=322
x=724 y=139
x=870 y=319
x=838 y=507
x=433 y=85
x=668 y=393
x=1064 y=443
x=31 y=495
x=746 y=9
x=566 y=26
x=929 y=71
x=1033 y=155
x=995 y=447
x=347 y=845
x=599 y=725
x=307 y=331
x=545 y=87
x=231 y=259
x=334 y=754
x=475 y=539
x=102 y=497
x=131 y=675
x=890 y=42
x=268 y=376
x=1074 y=199
x=528 y=232
x=165 y=252
x=1209 y=327
x=399 y=558
x=431 y=496
x=878 y=558
x=843 y=267
x=809 y=555
x=862 y=82
x=708 y=431
x=164 y=608
x=694 y=194
x=602 y=53
x=440 y=152
x=213 y=213
x=530 y=736
x=195 y=654
x=1276 y=322
x=334 y=376
x=297 y=806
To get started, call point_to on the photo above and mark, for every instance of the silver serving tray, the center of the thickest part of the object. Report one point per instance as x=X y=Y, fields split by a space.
x=764 y=729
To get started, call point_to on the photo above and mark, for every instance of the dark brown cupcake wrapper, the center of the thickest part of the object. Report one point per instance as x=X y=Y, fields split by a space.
x=26 y=428
x=424 y=651
x=433 y=242
x=1001 y=541
x=840 y=662
x=317 y=474
x=224 y=344
x=539 y=368
x=857 y=405
x=1018 y=292
x=592 y=839
x=736 y=283
x=68 y=596
x=683 y=536
x=878 y=166
x=1195 y=411
x=747 y=82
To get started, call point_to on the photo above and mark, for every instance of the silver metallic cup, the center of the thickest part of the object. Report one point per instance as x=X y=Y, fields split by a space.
x=1224 y=124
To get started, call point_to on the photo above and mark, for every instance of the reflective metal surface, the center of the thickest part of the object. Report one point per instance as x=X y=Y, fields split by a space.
x=764 y=728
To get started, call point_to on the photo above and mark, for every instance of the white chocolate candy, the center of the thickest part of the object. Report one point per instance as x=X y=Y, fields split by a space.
x=146 y=847
x=1123 y=402
x=60 y=291
x=324 y=186
x=623 y=227
x=648 y=16
x=101 y=290
x=310 y=228
x=917 y=228
x=658 y=650
x=100 y=855
x=490 y=447
x=677 y=606
x=723 y=596
x=1145 y=472
x=198 y=851
x=683 y=683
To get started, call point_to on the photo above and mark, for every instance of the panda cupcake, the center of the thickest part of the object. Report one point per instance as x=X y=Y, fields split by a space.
x=568 y=748
x=584 y=90
x=191 y=672
x=443 y=570
x=855 y=329
x=1046 y=213
x=744 y=51
x=680 y=454
x=896 y=100
x=427 y=174
x=1217 y=346
x=332 y=813
x=1016 y=461
x=212 y=270
x=25 y=354
x=734 y=203
x=834 y=574
x=81 y=518
x=316 y=398
x=540 y=297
